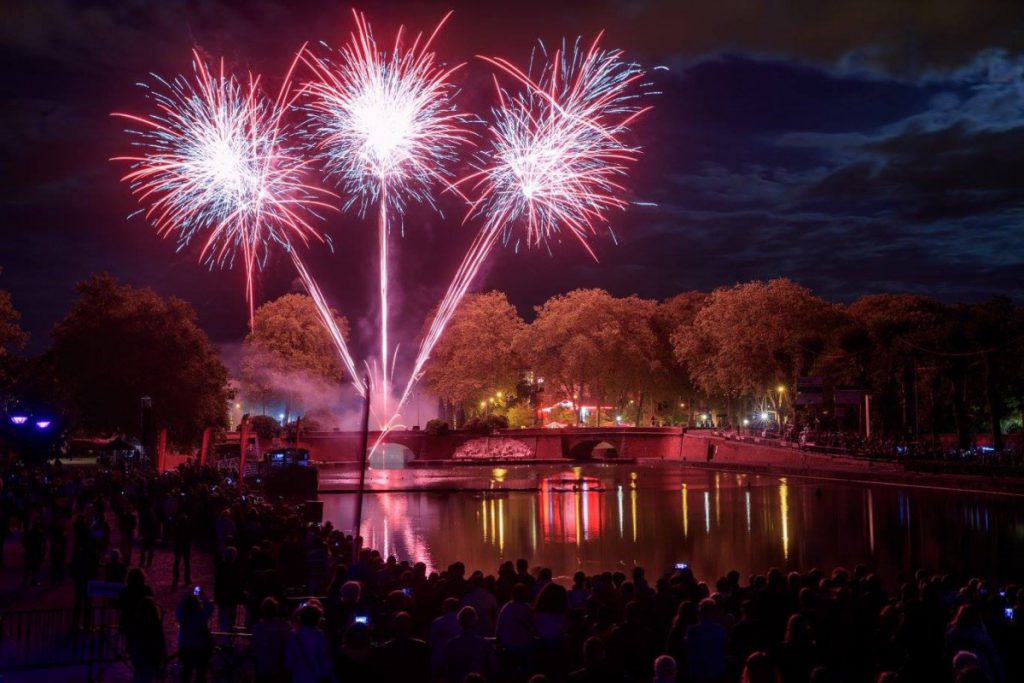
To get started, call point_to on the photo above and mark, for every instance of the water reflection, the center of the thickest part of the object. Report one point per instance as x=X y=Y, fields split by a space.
x=578 y=519
x=784 y=515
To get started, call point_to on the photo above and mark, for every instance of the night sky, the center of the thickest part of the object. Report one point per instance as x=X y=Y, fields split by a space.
x=855 y=147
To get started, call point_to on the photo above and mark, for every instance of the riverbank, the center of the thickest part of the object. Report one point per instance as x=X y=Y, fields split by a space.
x=718 y=453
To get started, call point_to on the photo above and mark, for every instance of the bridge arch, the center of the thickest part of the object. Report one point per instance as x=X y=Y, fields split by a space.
x=391 y=455
x=592 y=449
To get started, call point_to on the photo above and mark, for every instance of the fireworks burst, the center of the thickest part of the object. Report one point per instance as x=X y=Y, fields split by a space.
x=557 y=152
x=387 y=129
x=555 y=160
x=384 y=121
x=214 y=166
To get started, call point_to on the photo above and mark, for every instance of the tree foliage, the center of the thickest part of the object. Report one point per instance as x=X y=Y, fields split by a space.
x=477 y=354
x=589 y=344
x=12 y=337
x=264 y=426
x=119 y=344
x=754 y=336
x=287 y=347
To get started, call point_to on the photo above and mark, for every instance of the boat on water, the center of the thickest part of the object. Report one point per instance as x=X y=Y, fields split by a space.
x=572 y=483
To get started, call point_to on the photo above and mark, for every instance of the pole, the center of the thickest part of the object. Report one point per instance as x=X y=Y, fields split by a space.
x=867 y=415
x=364 y=439
x=382 y=229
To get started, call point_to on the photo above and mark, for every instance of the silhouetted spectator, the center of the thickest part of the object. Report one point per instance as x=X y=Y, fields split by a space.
x=404 y=658
x=126 y=524
x=516 y=631
x=631 y=646
x=182 y=547
x=595 y=668
x=705 y=645
x=664 y=669
x=34 y=544
x=353 y=660
x=132 y=595
x=145 y=642
x=149 y=532
x=467 y=652
x=269 y=641
x=85 y=560
x=758 y=669
x=798 y=653
x=228 y=588
x=442 y=630
x=306 y=655
x=195 y=642
x=58 y=551
x=967 y=632
x=115 y=571
x=481 y=600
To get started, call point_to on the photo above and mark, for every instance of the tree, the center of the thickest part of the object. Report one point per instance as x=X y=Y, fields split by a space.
x=477 y=355
x=287 y=348
x=750 y=338
x=588 y=343
x=12 y=337
x=672 y=381
x=264 y=427
x=119 y=344
x=995 y=331
x=886 y=350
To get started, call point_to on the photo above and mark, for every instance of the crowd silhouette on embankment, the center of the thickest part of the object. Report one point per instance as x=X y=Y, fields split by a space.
x=306 y=612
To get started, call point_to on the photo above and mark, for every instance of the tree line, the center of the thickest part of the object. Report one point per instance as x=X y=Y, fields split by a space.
x=730 y=354
x=738 y=352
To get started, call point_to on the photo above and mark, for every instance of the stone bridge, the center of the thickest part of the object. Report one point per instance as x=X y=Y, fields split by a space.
x=511 y=444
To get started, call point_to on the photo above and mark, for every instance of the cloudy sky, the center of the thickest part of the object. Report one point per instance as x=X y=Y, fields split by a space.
x=855 y=147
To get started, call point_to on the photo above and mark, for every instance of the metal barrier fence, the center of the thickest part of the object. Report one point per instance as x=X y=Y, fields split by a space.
x=48 y=638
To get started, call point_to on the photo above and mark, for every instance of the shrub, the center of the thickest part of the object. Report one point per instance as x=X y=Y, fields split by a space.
x=264 y=426
x=436 y=427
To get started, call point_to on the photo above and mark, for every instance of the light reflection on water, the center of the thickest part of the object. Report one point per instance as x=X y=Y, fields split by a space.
x=578 y=518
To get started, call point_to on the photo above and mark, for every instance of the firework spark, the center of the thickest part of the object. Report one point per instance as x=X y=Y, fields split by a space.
x=213 y=166
x=387 y=129
x=555 y=161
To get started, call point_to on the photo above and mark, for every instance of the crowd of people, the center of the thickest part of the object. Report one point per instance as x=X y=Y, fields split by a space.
x=312 y=610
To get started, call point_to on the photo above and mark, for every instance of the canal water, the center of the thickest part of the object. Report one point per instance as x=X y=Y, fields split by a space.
x=598 y=517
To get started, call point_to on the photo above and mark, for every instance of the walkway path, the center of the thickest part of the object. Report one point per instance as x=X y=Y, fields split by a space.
x=14 y=596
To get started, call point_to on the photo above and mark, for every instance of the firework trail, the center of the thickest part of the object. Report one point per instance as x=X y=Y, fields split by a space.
x=386 y=127
x=554 y=164
x=213 y=166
